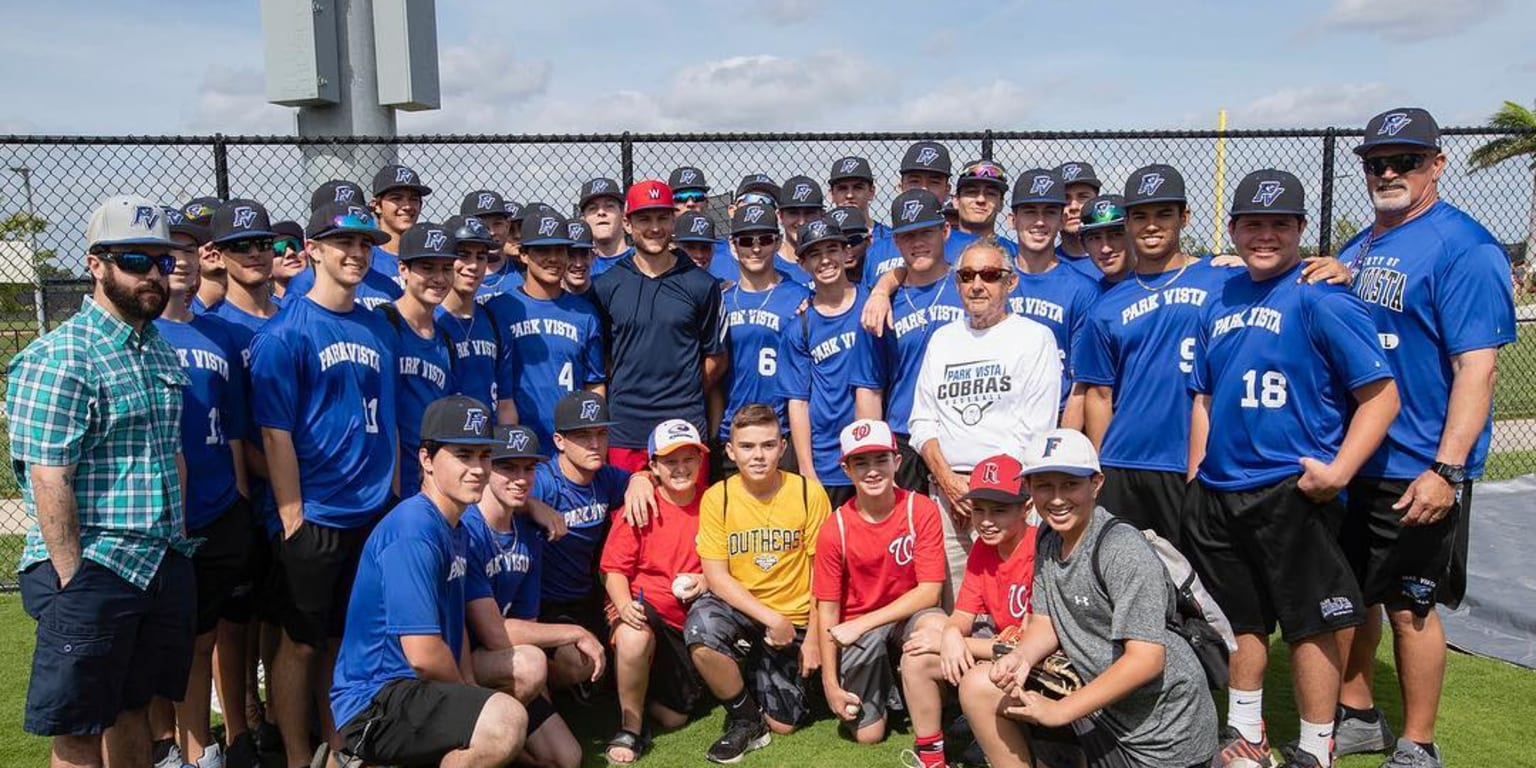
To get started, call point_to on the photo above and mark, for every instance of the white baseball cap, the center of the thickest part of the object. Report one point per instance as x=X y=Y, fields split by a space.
x=128 y=220
x=673 y=434
x=867 y=436
x=1061 y=450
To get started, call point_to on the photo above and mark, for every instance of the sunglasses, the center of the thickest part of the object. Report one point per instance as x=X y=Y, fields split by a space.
x=1406 y=162
x=756 y=198
x=749 y=241
x=988 y=275
x=141 y=263
x=691 y=196
x=257 y=245
x=352 y=221
x=856 y=240
x=284 y=247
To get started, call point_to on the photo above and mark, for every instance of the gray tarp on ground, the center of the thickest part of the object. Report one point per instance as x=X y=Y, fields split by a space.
x=1498 y=616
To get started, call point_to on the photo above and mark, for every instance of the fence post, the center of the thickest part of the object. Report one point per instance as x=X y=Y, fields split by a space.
x=627 y=160
x=1325 y=205
x=986 y=145
x=221 y=166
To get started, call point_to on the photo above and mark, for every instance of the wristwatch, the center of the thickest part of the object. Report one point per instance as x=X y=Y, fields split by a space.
x=1455 y=474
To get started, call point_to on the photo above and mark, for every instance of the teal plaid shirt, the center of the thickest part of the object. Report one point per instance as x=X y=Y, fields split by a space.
x=98 y=395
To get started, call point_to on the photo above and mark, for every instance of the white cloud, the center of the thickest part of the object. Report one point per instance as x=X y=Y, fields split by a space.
x=235 y=101
x=1314 y=106
x=1403 y=21
x=1001 y=105
x=483 y=88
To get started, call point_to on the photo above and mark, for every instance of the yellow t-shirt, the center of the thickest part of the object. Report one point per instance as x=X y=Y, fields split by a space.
x=768 y=547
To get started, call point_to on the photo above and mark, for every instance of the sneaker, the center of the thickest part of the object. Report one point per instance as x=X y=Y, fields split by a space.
x=213 y=757
x=242 y=752
x=172 y=758
x=1353 y=736
x=1238 y=752
x=740 y=737
x=269 y=740
x=1301 y=759
x=1411 y=755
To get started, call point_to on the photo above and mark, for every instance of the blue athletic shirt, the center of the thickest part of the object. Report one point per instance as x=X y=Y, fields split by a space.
x=1279 y=360
x=601 y=264
x=506 y=278
x=570 y=563
x=723 y=265
x=198 y=307
x=558 y=349
x=376 y=288
x=1060 y=300
x=916 y=312
x=504 y=565
x=1083 y=264
x=958 y=240
x=483 y=367
x=881 y=257
x=1142 y=343
x=821 y=361
x=242 y=327
x=426 y=370
x=328 y=379
x=658 y=331
x=753 y=324
x=1436 y=286
x=410 y=581
x=214 y=411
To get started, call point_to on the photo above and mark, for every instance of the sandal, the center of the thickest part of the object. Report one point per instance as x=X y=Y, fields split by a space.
x=623 y=739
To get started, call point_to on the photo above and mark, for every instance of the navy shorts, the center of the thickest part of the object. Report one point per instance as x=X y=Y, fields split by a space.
x=104 y=646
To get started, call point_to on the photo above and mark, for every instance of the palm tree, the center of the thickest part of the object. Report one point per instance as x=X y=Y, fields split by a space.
x=1512 y=117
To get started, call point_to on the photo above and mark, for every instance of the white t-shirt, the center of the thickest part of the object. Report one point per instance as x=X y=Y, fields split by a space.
x=981 y=393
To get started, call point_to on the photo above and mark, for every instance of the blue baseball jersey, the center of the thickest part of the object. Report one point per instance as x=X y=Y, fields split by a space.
x=916 y=312
x=821 y=361
x=214 y=411
x=1083 y=264
x=410 y=582
x=506 y=278
x=1141 y=343
x=558 y=349
x=793 y=271
x=1279 y=361
x=753 y=324
x=426 y=370
x=385 y=264
x=1060 y=300
x=504 y=565
x=328 y=378
x=1437 y=286
x=483 y=367
x=880 y=258
x=198 y=307
x=601 y=264
x=658 y=330
x=570 y=563
x=242 y=327
x=723 y=265
x=375 y=289
x=958 y=240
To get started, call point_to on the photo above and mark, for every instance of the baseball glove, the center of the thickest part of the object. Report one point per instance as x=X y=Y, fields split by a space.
x=1053 y=677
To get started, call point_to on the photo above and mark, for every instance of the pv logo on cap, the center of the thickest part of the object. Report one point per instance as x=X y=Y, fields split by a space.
x=1071 y=171
x=517 y=440
x=547 y=226
x=911 y=209
x=344 y=194
x=802 y=192
x=599 y=185
x=244 y=215
x=1394 y=123
x=485 y=200
x=173 y=217
x=435 y=239
x=145 y=216
x=926 y=156
x=1150 y=183
x=198 y=210
x=754 y=214
x=699 y=226
x=841 y=217
x=405 y=176
x=1101 y=209
x=589 y=410
x=849 y=165
x=573 y=230
x=1041 y=184
x=361 y=213
x=476 y=227
x=688 y=176
x=817 y=229
x=1268 y=193
x=474 y=420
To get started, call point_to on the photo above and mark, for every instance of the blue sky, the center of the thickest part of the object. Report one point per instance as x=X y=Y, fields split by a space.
x=163 y=67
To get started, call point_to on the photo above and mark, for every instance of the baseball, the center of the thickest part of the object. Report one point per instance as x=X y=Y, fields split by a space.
x=852 y=710
x=681 y=586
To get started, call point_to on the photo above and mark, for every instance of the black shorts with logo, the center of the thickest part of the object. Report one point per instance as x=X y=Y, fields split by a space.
x=319 y=564
x=1411 y=567
x=415 y=722
x=1148 y=499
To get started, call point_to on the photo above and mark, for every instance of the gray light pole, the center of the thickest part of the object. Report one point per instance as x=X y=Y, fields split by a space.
x=37 y=277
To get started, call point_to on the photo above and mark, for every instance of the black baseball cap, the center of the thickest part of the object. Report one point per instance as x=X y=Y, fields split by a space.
x=581 y=410
x=851 y=167
x=289 y=229
x=457 y=420
x=428 y=240
x=599 y=187
x=1410 y=126
x=515 y=441
x=398 y=177
x=337 y=191
x=544 y=225
x=483 y=202
x=341 y=219
x=177 y=223
x=754 y=218
x=1154 y=184
x=1078 y=172
x=926 y=156
x=687 y=177
x=470 y=229
x=983 y=172
x=693 y=227
x=514 y=211
x=199 y=210
x=801 y=192
x=579 y=233
x=1038 y=185
x=818 y=230
x=758 y=182
x=915 y=209
x=850 y=219
x=240 y=219
x=1102 y=212
x=1269 y=191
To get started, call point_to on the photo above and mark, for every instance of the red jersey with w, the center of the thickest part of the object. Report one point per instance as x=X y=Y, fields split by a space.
x=996 y=587
x=881 y=561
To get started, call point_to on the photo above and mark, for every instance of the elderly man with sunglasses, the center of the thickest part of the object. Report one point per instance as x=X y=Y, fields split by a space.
x=989 y=384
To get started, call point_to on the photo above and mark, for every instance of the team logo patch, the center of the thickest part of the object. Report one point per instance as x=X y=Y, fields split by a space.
x=1268 y=193
x=1051 y=444
x=517 y=441
x=198 y=211
x=802 y=192
x=244 y=215
x=1071 y=171
x=589 y=410
x=1393 y=124
x=1102 y=208
x=173 y=217
x=485 y=201
x=654 y=193
x=848 y=165
x=405 y=176
x=548 y=225
x=681 y=429
x=926 y=156
x=1333 y=607
x=766 y=562
x=435 y=240
x=1018 y=599
x=512 y=209
x=474 y=420
x=688 y=176
x=361 y=213
x=699 y=226
x=1420 y=590
x=344 y=194
x=861 y=431
x=754 y=214
x=989 y=473
x=1150 y=183
x=841 y=217
x=574 y=230
x=476 y=227
x=1041 y=184
x=816 y=229
x=145 y=216
x=599 y=185
x=901 y=549
x=911 y=209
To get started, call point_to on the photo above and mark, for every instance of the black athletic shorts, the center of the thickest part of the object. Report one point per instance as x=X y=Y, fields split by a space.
x=772 y=674
x=1148 y=499
x=913 y=472
x=587 y=614
x=1401 y=566
x=271 y=594
x=319 y=564
x=415 y=722
x=222 y=565
x=1270 y=555
x=838 y=494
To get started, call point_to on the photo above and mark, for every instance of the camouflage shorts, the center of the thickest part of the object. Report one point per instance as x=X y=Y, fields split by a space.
x=773 y=674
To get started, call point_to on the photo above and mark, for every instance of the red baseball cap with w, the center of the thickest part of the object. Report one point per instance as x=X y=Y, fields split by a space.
x=645 y=195
x=996 y=478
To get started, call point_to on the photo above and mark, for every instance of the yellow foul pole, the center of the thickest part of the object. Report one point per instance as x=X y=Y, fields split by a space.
x=1218 y=227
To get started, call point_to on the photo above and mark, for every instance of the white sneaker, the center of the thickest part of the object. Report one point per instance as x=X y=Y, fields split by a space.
x=213 y=757
x=172 y=758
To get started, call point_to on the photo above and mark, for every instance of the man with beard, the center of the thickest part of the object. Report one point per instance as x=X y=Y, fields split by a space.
x=94 y=409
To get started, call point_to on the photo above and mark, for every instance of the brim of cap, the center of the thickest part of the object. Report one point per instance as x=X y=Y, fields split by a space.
x=578 y=427
x=696 y=239
x=923 y=169
x=762 y=226
x=805 y=246
x=766 y=189
x=462 y=441
x=1268 y=211
x=1066 y=469
x=996 y=494
x=794 y=206
x=1018 y=201
x=139 y=241
x=419 y=255
x=916 y=225
x=1129 y=204
x=485 y=241
x=869 y=449
x=378 y=236
x=421 y=189
x=549 y=241
x=582 y=246
x=199 y=233
x=673 y=447
x=676 y=190
x=1089 y=180
x=250 y=234
x=483 y=214
x=648 y=207
x=598 y=196
x=860 y=176
x=502 y=456
x=1101 y=225
x=1369 y=145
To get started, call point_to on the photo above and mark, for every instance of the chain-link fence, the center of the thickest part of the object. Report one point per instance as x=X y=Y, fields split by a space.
x=53 y=183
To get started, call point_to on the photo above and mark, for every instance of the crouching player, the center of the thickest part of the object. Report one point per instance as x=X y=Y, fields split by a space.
x=506 y=548
x=880 y=568
x=404 y=690
x=994 y=594
x=651 y=572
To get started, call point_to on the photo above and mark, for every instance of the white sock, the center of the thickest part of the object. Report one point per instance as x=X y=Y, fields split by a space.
x=1245 y=712
x=1317 y=739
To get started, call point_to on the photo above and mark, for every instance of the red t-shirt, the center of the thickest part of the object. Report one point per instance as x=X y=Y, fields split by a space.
x=999 y=588
x=652 y=555
x=882 y=562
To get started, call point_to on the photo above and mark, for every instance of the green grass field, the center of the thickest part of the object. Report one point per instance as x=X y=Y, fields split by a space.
x=1487 y=704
